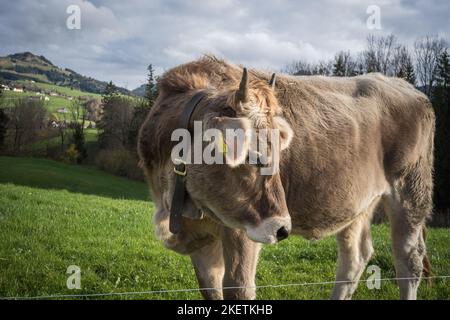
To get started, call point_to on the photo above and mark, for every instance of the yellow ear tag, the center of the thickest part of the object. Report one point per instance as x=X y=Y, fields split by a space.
x=223 y=148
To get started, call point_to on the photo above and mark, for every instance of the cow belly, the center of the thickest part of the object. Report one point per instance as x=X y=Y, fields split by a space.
x=317 y=225
x=323 y=206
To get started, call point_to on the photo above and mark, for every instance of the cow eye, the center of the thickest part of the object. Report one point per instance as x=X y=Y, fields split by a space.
x=229 y=111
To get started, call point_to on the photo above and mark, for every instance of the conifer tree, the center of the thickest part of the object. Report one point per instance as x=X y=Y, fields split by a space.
x=150 y=87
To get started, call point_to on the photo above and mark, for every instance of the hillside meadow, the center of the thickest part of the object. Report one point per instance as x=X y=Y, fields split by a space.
x=55 y=102
x=54 y=215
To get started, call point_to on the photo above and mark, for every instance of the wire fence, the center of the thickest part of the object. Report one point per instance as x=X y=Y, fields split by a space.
x=164 y=291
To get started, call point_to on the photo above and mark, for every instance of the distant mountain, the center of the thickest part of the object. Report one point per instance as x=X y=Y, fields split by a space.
x=139 y=91
x=28 y=66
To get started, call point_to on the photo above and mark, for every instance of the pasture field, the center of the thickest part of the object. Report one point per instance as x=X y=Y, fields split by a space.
x=55 y=102
x=65 y=90
x=54 y=215
x=52 y=105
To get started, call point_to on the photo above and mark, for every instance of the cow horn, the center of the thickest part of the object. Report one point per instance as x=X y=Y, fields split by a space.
x=272 y=80
x=242 y=94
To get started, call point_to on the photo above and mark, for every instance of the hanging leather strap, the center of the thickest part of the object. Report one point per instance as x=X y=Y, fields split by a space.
x=179 y=194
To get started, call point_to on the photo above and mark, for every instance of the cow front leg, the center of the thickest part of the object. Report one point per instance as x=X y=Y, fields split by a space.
x=241 y=258
x=355 y=250
x=209 y=268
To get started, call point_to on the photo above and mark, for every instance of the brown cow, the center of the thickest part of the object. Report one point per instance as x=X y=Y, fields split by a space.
x=355 y=141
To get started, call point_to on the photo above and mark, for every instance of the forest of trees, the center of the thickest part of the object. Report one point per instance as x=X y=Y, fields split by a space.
x=119 y=126
x=385 y=54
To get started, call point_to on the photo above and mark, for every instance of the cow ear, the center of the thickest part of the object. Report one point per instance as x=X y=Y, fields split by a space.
x=234 y=138
x=286 y=133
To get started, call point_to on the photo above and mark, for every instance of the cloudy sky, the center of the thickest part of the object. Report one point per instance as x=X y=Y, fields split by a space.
x=118 y=39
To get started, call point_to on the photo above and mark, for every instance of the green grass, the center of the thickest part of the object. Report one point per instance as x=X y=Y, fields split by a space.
x=52 y=175
x=54 y=215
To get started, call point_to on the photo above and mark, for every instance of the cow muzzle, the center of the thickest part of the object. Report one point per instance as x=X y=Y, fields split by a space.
x=270 y=230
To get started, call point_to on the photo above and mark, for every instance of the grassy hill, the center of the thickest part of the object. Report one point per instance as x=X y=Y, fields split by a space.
x=54 y=215
x=31 y=67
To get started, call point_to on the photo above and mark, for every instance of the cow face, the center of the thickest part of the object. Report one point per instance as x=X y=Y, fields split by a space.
x=246 y=191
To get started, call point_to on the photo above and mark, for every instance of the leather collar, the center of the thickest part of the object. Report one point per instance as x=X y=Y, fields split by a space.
x=179 y=194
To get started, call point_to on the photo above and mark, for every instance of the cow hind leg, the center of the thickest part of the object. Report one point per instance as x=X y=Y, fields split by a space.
x=355 y=249
x=209 y=268
x=408 y=206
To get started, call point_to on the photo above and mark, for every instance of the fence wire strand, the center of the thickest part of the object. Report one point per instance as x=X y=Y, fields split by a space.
x=162 y=291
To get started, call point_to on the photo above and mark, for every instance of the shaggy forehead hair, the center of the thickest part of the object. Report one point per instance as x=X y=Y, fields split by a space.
x=210 y=72
x=205 y=73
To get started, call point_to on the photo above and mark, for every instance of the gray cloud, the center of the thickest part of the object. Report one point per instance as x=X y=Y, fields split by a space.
x=119 y=39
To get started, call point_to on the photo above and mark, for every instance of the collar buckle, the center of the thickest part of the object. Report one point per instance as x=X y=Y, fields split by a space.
x=180 y=167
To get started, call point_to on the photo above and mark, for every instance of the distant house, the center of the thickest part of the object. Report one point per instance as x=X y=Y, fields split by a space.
x=70 y=98
x=5 y=87
x=53 y=94
x=62 y=110
x=18 y=89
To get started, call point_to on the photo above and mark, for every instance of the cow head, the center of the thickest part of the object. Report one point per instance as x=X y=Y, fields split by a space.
x=237 y=192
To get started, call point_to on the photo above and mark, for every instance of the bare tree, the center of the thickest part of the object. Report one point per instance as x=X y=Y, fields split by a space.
x=385 y=49
x=78 y=112
x=323 y=68
x=79 y=115
x=379 y=54
x=370 y=56
x=93 y=109
x=297 y=68
x=27 y=117
x=303 y=68
x=427 y=51
x=398 y=58
x=359 y=63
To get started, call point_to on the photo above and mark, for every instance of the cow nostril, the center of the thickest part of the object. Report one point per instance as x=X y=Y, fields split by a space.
x=282 y=233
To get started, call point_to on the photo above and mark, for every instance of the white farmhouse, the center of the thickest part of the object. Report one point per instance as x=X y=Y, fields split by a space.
x=62 y=110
